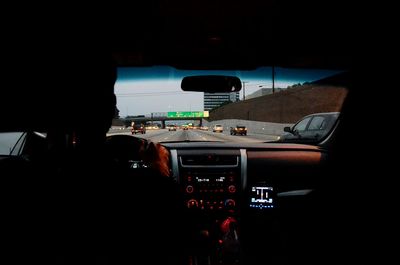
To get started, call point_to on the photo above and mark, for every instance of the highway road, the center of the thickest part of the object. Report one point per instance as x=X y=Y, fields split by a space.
x=163 y=135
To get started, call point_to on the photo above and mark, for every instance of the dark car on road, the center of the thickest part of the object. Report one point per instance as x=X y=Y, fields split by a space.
x=138 y=128
x=239 y=129
x=310 y=128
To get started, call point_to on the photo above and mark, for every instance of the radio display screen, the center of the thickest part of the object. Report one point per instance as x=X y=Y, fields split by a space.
x=210 y=179
x=261 y=197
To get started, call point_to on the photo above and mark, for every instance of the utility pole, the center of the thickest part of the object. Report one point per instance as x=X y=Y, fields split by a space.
x=273 y=79
x=244 y=90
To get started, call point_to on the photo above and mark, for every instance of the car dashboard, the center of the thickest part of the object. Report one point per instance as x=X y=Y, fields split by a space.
x=239 y=194
x=217 y=172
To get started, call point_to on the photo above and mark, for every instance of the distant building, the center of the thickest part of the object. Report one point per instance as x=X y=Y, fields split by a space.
x=262 y=92
x=214 y=100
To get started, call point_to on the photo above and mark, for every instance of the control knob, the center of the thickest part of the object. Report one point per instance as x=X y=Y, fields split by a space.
x=230 y=203
x=192 y=204
x=189 y=189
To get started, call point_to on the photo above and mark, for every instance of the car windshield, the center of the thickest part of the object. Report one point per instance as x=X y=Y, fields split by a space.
x=152 y=96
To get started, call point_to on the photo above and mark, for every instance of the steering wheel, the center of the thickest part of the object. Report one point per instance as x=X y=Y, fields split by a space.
x=126 y=150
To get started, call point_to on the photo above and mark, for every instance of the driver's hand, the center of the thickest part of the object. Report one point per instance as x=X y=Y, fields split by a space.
x=157 y=156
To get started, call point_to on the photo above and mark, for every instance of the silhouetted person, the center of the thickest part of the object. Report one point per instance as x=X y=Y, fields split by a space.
x=80 y=206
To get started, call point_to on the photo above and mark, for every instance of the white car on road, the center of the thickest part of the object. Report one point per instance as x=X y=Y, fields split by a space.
x=218 y=128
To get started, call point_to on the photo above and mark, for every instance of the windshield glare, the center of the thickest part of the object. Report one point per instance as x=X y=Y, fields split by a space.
x=151 y=97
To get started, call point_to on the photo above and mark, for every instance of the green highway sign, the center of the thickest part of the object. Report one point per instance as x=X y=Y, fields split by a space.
x=188 y=114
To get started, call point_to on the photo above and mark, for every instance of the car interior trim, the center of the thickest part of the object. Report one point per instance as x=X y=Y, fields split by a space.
x=174 y=164
x=294 y=193
x=243 y=167
x=207 y=166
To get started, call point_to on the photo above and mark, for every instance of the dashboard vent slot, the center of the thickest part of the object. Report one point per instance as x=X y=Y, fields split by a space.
x=209 y=160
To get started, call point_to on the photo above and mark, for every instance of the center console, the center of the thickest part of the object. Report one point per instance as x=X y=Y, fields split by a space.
x=212 y=183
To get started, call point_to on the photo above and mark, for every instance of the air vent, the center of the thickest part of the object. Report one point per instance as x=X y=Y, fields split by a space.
x=209 y=160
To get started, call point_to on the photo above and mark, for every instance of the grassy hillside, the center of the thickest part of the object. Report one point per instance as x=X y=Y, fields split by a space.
x=287 y=106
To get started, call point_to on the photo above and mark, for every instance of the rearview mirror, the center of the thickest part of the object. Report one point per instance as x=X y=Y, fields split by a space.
x=211 y=83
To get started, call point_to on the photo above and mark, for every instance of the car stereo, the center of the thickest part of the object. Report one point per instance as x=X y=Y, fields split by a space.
x=214 y=189
x=211 y=181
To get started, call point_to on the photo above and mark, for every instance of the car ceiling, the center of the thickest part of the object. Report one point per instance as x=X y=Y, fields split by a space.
x=212 y=34
x=237 y=35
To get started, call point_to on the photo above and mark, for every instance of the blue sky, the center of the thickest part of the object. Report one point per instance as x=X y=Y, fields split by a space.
x=145 y=90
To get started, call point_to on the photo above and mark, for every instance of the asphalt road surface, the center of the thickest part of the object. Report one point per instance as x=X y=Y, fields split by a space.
x=163 y=135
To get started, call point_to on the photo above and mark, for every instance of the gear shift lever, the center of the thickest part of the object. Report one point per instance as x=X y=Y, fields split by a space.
x=230 y=245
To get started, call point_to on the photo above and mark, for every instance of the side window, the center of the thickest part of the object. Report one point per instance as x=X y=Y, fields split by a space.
x=301 y=126
x=317 y=123
x=11 y=143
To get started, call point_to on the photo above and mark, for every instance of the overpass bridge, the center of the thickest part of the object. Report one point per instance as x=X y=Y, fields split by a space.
x=167 y=116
